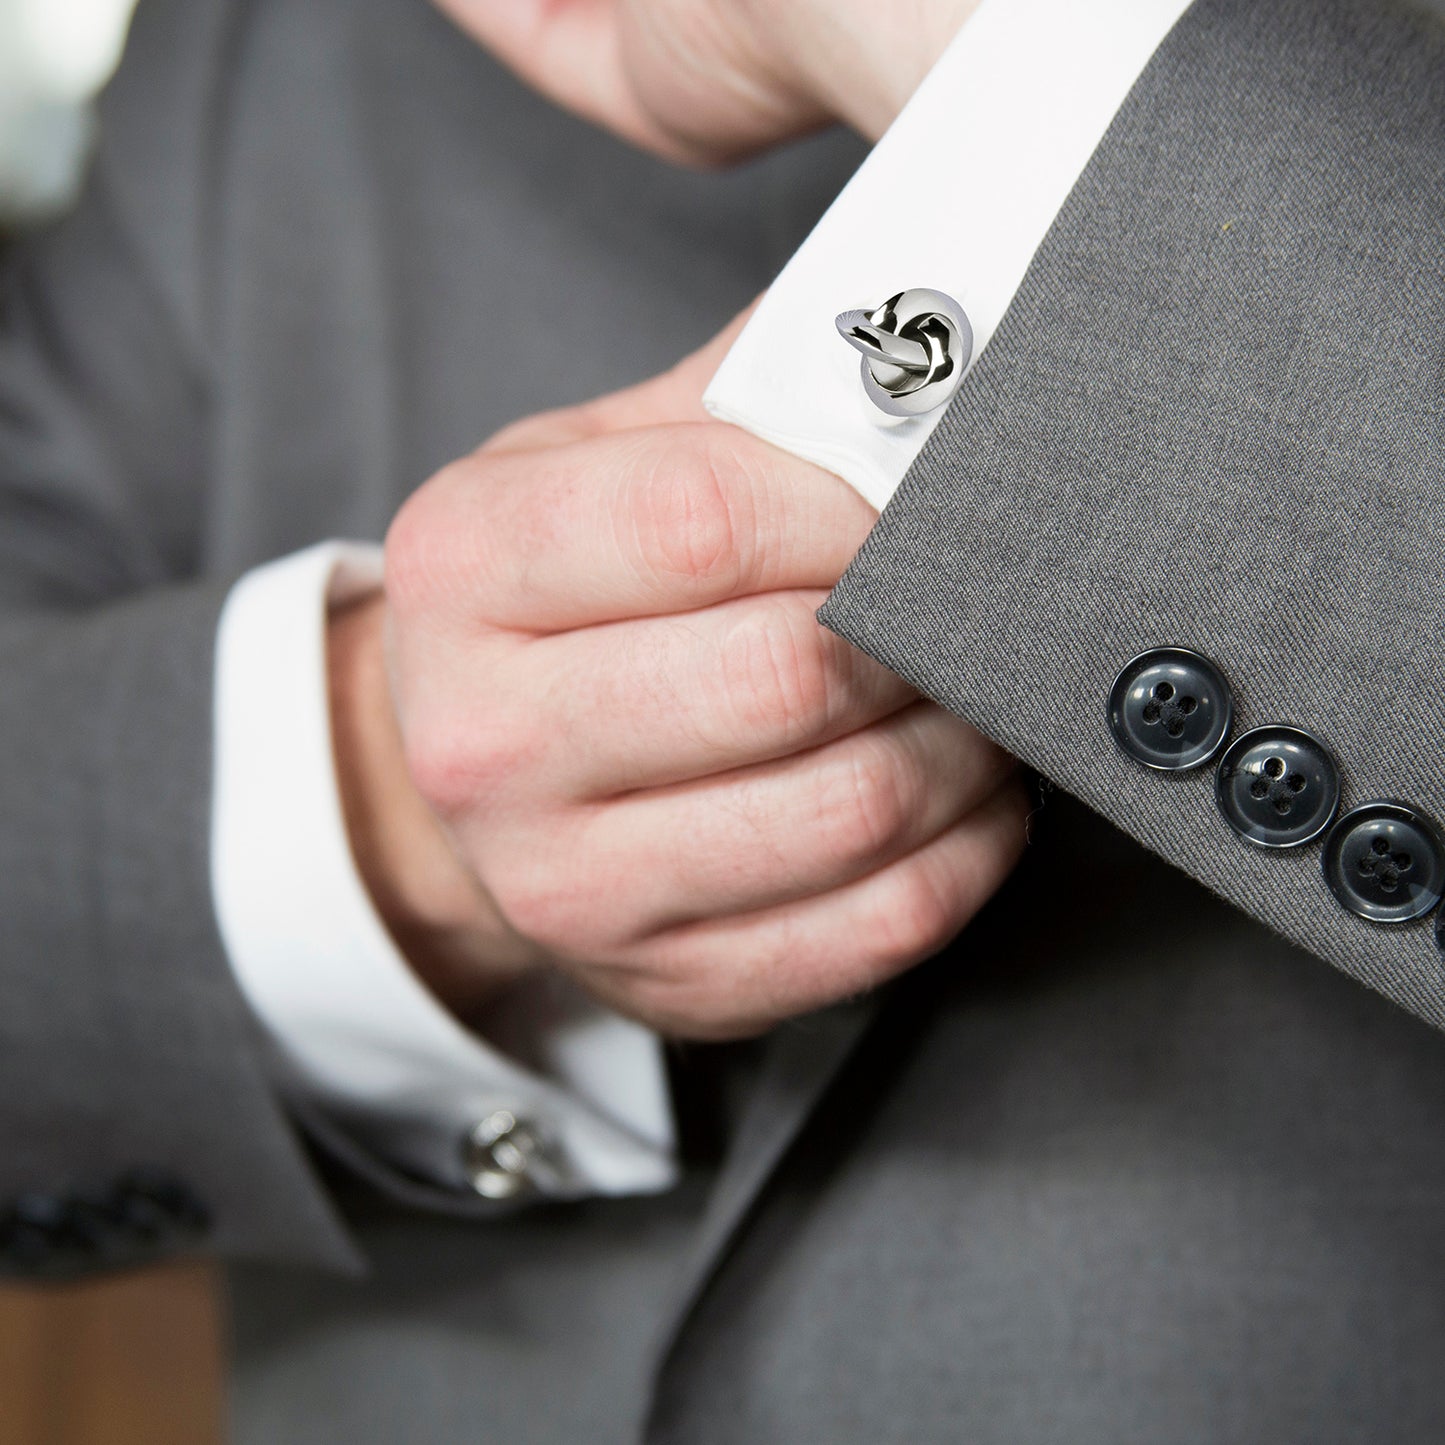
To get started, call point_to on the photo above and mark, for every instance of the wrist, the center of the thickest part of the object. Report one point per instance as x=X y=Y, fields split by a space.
x=436 y=911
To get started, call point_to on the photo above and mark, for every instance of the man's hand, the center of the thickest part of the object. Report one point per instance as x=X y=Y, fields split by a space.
x=710 y=80
x=626 y=747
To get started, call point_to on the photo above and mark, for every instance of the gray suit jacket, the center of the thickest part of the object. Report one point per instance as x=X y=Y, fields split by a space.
x=1129 y=1161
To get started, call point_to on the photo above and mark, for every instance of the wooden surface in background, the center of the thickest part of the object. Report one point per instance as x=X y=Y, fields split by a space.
x=133 y=1359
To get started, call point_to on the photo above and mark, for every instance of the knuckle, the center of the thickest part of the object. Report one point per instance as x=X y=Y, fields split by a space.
x=457 y=766
x=678 y=1003
x=774 y=673
x=420 y=550
x=870 y=805
x=556 y=892
x=441 y=768
x=690 y=518
x=919 y=918
x=406 y=552
x=533 y=901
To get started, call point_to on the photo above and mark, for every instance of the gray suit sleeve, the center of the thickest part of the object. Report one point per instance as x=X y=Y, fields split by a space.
x=138 y=1116
x=1214 y=417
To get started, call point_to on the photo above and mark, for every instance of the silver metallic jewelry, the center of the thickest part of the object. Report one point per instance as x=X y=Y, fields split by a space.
x=915 y=348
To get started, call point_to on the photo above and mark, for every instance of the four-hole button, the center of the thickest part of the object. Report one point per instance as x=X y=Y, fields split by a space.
x=1385 y=862
x=1277 y=787
x=1170 y=709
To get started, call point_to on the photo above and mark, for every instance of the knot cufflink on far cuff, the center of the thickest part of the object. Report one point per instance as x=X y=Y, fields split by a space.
x=506 y=1155
x=915 y=348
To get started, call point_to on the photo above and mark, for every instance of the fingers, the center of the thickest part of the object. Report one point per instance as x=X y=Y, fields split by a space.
x=733 y=977
x=802 y=826
x=646 y=704
x=636 y=523
x=602 y=713
x=673 y=396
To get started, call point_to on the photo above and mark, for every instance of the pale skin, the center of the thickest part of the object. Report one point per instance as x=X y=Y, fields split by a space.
x=592 y=723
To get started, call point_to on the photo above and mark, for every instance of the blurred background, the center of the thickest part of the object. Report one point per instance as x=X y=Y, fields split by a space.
x=135 y=1359
x=54 y=56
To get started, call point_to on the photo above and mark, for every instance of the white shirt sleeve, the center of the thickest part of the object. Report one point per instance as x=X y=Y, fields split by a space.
x=362 y=1035
x=994 y=139
x=957 y=196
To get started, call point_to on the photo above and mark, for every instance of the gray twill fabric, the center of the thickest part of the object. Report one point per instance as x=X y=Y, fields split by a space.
x=309 y=231
x=1121 y=1165
x=1120 y=1168
x=312 y=228
x=1213 y=417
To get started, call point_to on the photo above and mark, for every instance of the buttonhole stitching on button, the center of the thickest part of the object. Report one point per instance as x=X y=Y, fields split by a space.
x=1385 y=868
x=1165 y=704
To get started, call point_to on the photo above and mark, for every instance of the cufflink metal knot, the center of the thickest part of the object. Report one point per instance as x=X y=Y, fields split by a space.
x=506 y=1155
x=915 y=348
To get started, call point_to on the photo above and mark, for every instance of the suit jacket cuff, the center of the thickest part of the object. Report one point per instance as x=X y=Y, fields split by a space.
x=1212 y=417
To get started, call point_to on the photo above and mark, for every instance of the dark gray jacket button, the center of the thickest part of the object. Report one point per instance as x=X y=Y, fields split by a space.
x=1169 y=709
x=151 y=1202
x=1385 y=862
x=1277 y=787
x=30 y=1229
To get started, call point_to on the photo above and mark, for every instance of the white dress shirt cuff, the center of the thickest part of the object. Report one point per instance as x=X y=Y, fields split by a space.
x=957 y=196
x=361 y=1035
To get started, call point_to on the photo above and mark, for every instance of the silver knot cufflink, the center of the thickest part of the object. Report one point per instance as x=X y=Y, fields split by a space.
x=915 y=348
